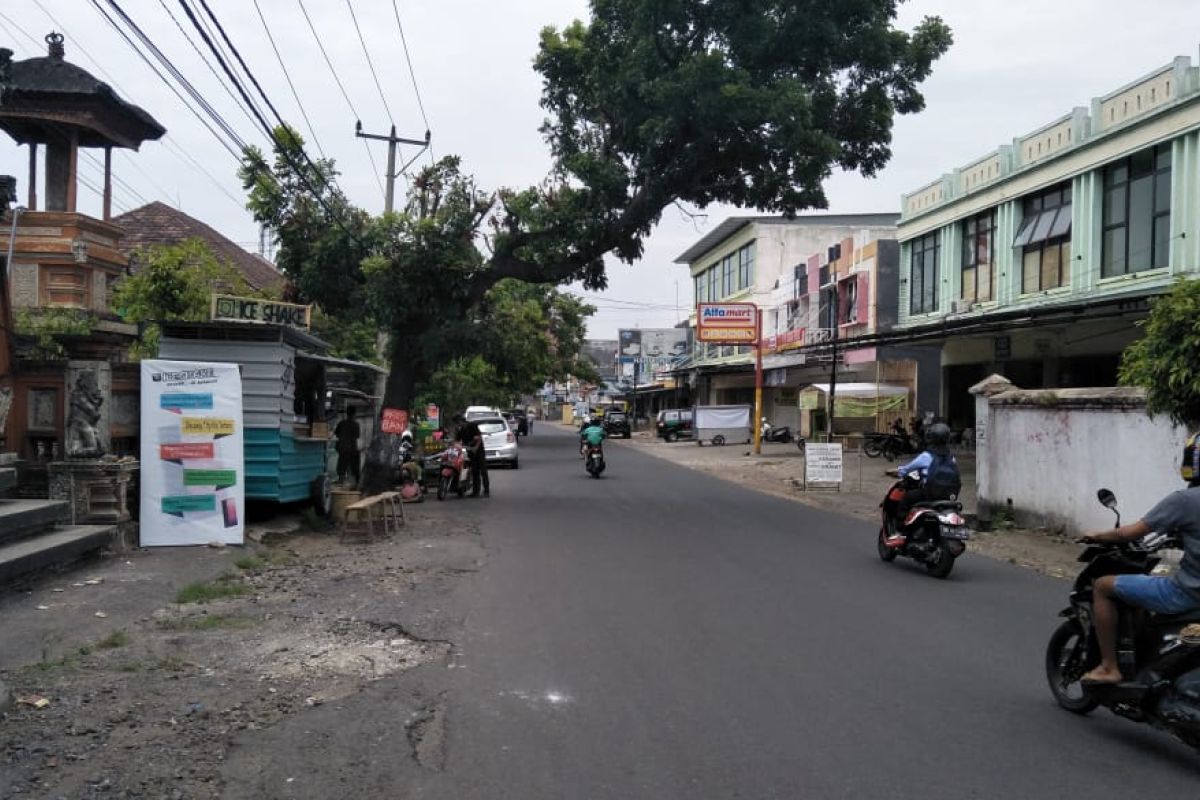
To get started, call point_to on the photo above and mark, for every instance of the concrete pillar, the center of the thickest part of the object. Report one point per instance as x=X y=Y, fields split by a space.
x=984 y=391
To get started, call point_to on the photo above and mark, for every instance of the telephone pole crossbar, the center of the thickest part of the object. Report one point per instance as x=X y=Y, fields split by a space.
x=392 y=139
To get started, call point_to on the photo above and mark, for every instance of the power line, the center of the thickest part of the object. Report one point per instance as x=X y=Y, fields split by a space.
x=224 y=143
x=288 y=78
x=167 y=142
x=412 y=74
x=206 y=62
x=345 y=95
x=370 y=63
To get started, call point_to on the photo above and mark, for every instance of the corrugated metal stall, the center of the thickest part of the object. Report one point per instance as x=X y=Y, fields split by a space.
x=282 y=460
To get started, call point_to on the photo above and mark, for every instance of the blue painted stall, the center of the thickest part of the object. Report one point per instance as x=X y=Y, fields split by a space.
x=285 y=461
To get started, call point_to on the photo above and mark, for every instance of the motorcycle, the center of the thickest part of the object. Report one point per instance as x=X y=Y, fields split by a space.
x=769 y=433
x=455 y=471
x=1158 y=654
x=595 y=460
x=894 y=444
x=935 y=534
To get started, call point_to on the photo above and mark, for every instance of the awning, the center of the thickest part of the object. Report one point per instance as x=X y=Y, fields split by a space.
x=1043 y=226
x=863 y=389
x=342 y=362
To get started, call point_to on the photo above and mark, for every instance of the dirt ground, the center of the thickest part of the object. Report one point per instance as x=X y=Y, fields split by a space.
x=780 y=470
x=152 y=708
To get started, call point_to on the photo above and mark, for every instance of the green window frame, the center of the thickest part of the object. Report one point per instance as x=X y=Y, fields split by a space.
x=1136 y=229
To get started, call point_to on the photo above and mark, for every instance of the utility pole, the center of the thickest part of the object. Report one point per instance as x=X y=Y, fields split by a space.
x=833 y=323
x=392 y=139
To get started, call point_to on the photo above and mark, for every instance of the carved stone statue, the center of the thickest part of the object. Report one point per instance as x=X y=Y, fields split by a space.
x=6 y=396
x=83 y=438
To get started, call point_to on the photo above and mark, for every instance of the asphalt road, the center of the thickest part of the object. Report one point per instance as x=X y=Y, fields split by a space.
x=662 y=634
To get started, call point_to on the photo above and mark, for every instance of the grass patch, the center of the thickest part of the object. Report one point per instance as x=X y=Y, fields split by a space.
x=250 y=562
x=206 y=622
x=204 y=592
x=170 y=664
x=313 y=521
x=112 y=641
x=132 y=666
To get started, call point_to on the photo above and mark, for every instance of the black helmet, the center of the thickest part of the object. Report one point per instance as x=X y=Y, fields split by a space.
x=937 y=435
x=1189 y=467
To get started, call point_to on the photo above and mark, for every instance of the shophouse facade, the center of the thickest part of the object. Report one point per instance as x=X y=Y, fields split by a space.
x=1037 y=260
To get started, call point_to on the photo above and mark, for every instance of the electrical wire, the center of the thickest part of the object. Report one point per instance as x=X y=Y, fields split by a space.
x=166 y=141
x=270 y=38
x=370 y=63
x=412 y=74
x=345 y=95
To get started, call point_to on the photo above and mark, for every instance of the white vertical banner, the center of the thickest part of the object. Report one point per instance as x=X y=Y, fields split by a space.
x=193 y=487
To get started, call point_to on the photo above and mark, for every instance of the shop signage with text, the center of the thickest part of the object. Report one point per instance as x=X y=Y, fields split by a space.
x=727 y=323
x=226 y=308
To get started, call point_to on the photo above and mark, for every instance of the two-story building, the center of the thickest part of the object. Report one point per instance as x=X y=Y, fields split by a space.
x=1037 y=260
x=770 y=261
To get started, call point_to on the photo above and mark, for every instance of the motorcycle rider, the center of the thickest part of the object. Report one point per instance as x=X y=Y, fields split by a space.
x=592 y=435
x=940 y=479
x=1179 y=513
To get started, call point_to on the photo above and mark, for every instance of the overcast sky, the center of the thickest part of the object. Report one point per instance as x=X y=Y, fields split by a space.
x=1014 y=66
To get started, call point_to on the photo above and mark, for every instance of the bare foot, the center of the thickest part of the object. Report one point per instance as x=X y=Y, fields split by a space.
x=1102 y=675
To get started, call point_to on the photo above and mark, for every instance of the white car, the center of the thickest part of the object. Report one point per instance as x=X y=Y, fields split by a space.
x=479 y=412
x=499 y=442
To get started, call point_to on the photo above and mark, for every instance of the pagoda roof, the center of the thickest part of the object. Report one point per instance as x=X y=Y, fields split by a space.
x=39 y=97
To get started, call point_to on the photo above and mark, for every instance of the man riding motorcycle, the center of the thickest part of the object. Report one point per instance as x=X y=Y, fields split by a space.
x=1178 y=512
x=592 y=434
x=938 y=471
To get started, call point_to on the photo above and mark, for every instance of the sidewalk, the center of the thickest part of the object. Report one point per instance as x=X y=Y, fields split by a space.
x=780 y=471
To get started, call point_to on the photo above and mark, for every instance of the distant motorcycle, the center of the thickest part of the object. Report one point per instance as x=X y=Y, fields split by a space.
x=1158 y=654
x=892 y=445
x=769 y=433
x=455 y=471
x=935 y=534
x=594 y=463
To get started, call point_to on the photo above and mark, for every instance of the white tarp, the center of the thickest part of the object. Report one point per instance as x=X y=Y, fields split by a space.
x=862 y=389
x=193 y=488
x=708 y=417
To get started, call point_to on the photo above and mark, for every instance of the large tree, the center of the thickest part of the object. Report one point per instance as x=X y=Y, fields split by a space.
x=649 y=103
x=1166 y=360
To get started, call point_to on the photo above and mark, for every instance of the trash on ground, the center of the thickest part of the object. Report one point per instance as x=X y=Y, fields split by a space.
x=101 y=614
x=43 y=608
x=34 y=700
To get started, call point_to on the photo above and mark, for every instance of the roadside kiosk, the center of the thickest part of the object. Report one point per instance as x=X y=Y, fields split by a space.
x=286 y=389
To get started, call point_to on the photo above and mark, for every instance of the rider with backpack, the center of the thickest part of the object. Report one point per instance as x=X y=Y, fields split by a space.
x=938 y=471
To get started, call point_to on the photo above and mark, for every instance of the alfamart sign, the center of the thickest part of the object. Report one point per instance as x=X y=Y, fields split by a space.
x=727 y=323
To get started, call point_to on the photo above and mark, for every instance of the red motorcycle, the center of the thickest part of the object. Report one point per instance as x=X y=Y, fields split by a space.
x=455 y=473
x=934 y=531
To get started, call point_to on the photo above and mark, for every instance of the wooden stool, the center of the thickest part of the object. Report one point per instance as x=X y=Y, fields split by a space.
x=364 y=511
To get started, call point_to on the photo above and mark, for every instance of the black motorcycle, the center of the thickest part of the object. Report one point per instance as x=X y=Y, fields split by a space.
x=1159 y=655
x=935 y=534
x=770 y=433
x=594 y=463
x=898 y=442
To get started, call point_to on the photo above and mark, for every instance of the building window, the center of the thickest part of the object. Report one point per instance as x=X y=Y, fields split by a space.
x=727 y=276
x=849 y=302
x=701 y=285
x=1045 y=239
x=923 y=276
x=979 y=257
x=1137 y=212
x=746 y=266
x=712 y=282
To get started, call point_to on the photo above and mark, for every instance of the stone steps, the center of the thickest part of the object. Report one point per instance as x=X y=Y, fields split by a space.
x=23 y=518
x=52 y=547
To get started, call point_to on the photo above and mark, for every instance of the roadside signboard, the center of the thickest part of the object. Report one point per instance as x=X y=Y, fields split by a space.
x=193 y=459
x=395 y=420
x=727 y=323
x=822 y=463
x=433 y=414
x=227 y=308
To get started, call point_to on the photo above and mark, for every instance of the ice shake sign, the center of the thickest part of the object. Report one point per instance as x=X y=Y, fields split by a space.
x=727 y=323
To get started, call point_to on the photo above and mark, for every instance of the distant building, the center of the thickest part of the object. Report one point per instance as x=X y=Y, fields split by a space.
x=159 y=224
x=1037 y=259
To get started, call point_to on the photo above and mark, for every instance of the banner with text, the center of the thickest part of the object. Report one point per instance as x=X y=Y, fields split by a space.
x=727 y=323
x=193 y=488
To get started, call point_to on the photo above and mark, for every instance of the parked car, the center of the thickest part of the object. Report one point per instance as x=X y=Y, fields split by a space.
x=616 y=423
x=510 y=419
x=479 y=412
x=674 y=423
x=522 y=421
x=499 y=442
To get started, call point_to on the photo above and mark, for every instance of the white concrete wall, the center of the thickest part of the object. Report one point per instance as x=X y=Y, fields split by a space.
x=1049 y=461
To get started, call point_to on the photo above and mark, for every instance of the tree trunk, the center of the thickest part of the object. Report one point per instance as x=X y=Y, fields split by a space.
x=383 y=454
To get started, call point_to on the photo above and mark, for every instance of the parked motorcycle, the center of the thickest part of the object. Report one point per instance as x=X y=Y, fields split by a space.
x=1158 y=654
x=935 y=534
x=456 y=471
x=594 y=463
x=898 y=442
x=769 y=433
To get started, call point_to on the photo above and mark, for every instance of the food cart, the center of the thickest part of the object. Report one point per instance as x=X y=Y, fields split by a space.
x=719 y=425
x=289 y=409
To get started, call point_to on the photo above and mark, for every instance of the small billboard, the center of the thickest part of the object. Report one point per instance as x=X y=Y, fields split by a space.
x=727 y=323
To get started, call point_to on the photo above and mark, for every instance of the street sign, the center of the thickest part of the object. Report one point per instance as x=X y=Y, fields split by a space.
x=822 y=463
x=395 y=420
x=727 y=323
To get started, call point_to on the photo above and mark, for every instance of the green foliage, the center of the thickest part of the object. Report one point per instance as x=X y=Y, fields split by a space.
x=464 y=382
x=649 y=103
x=113 y=641
x=175 y=283
x=204 y=592
x=1166 y=360
x=46 y=325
